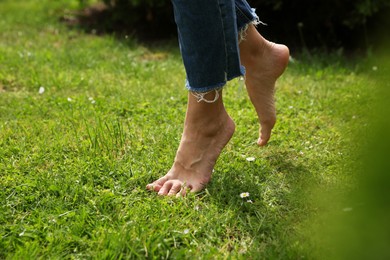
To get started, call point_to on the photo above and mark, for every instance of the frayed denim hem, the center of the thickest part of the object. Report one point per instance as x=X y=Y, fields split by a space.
x=215 y=86
x=205 y=89
x=242 y=31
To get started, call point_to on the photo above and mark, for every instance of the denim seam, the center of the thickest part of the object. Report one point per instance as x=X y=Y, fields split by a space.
x=224 y=40
x=244 y=15
x=255 y=21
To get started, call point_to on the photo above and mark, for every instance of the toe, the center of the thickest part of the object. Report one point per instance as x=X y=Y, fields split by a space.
x=156 y=185
x=262 y=142
x=150 y=186
x=153 y=187
x=165 y=188
x=184 y=190
x=175 y=189
x=265 y=133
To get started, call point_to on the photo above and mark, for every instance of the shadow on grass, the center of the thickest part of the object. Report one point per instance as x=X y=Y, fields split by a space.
x=276 y=202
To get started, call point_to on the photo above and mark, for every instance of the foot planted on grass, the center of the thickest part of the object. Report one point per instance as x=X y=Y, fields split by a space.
x=207 y=130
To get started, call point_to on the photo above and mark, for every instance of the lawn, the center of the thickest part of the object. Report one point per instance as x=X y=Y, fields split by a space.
x=86 y=121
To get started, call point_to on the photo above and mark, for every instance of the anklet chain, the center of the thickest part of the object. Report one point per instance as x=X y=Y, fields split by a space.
x=200 y=96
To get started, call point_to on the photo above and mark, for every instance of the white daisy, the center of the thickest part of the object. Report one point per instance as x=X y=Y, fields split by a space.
x=244 y=195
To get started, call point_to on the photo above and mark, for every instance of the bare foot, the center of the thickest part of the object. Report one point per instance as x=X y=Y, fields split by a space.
x=264 y=62
x=207 y=130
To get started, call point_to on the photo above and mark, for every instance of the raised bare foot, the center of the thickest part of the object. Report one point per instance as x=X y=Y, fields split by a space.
x=207 y=130
x=264 y=62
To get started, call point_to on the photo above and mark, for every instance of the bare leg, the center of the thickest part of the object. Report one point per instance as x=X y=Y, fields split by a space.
x=207 y=130
x=264 y=62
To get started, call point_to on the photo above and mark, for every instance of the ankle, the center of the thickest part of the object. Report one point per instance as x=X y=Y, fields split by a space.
x=206 y=124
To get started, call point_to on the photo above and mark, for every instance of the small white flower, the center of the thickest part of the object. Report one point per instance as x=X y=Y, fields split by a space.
x=250 y=159
x=249 y=201
x=92 y=100
x=22 y=233
x=244 y=195
x=186 y=231
x=41 y=90
x=290 y=107
x=69 y=99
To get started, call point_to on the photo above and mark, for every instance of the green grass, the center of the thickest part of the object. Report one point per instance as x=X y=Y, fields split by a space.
x=74 y=160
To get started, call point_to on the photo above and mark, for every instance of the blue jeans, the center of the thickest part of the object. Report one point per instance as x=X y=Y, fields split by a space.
x=208 y=33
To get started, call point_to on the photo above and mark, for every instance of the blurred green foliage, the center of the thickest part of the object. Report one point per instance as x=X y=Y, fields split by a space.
x=364 y=231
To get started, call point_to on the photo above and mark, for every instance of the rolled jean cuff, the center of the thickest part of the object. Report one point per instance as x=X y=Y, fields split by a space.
x=216 y=86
